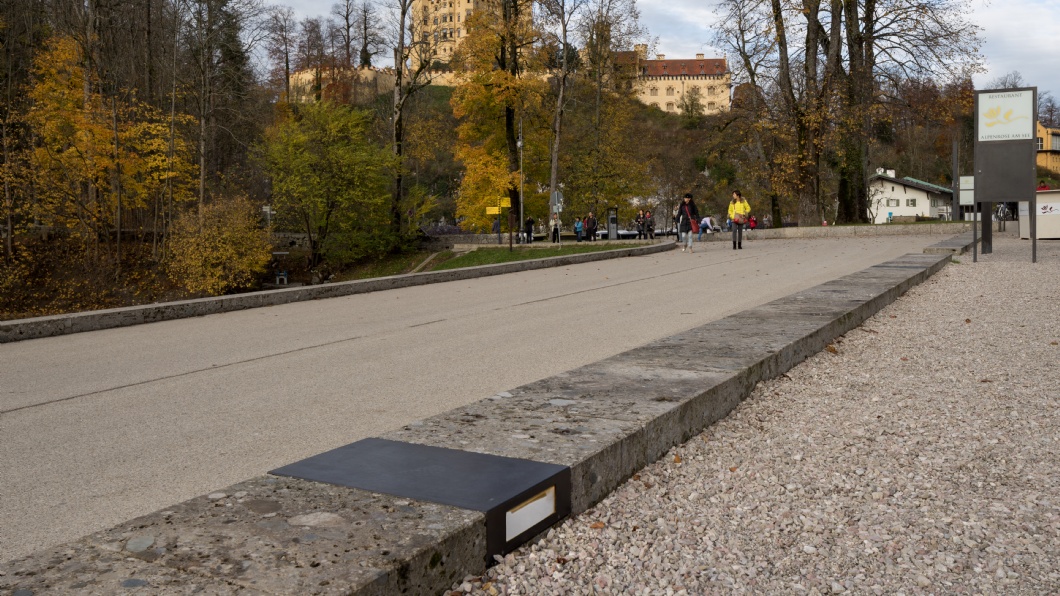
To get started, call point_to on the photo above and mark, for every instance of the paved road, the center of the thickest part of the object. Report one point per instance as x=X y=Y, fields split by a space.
x=97 y=428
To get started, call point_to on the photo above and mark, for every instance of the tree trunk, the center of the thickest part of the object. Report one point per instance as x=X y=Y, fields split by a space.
x=397 y=118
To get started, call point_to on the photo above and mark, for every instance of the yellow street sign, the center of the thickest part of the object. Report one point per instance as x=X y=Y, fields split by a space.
x=493 y=210
x=506 y=202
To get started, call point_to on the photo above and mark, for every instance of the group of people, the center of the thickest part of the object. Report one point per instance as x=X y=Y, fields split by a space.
x=583 y=228
x=689 y=222
x=686 y=216
x=645 y=223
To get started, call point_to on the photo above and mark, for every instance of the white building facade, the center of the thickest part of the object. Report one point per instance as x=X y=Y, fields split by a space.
x=891 y=197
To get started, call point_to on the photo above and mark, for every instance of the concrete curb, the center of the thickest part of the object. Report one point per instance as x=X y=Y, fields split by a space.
x=37 y=327
x=605 y=421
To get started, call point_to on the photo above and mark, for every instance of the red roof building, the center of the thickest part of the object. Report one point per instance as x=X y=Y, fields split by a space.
x=664 y=83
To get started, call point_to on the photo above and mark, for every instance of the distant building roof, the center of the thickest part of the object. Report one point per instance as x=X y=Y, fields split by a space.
x=671 y=68
x=914 y=183
x=674 y=68
x=929 y=185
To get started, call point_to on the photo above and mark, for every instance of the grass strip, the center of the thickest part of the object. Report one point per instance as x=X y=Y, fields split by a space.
x=493 y=256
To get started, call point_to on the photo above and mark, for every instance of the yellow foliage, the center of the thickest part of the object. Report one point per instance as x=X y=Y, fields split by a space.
x=485 y=184
x=227 y=252
x=85 y=143
x=480 y=101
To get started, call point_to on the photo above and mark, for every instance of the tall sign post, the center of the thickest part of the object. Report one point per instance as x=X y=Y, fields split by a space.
x=1004 y=155
x=557 y=207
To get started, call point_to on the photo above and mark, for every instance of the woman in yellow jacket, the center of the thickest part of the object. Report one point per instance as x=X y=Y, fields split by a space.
x=739 y=211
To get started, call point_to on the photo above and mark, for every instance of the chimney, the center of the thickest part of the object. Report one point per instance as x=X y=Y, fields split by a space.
x=879 y=171
x=699 y=56
x=660 y=56
x=890 y=173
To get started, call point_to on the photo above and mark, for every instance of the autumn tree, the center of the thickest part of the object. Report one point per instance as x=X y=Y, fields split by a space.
x=832 y=64
x=219 y=86
x=413 y=54
x=330 y=180
x=494 y=90
x=22 y=33
x=562 y=16
x=282 y=33
x=225 y=249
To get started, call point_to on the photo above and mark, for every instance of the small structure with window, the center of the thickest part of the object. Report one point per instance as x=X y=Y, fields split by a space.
x=893 y=199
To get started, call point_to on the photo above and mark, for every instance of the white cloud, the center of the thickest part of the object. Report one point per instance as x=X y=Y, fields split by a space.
x=1019 y=35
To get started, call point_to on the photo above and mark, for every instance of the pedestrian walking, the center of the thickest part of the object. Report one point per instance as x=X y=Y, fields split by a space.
x=739 y=211
x=687 y=221
x=649 y=222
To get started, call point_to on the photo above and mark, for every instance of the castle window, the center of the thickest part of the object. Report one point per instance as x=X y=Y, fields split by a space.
x=712 y=106
x=669 y=106
x=654 y=91
x=669 y=91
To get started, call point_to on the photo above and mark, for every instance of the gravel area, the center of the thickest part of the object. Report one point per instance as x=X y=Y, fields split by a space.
x=919 y=454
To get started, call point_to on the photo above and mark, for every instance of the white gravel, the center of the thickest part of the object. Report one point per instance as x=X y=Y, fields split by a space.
x=921 y=457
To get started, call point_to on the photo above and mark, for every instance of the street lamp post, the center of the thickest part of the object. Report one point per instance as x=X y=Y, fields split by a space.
x=519 y=144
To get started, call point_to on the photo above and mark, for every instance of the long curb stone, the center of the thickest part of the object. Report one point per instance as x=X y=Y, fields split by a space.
x=38 y=327
x=606 y=420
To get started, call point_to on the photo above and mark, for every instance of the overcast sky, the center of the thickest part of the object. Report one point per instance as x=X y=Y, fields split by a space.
x=1017 y=34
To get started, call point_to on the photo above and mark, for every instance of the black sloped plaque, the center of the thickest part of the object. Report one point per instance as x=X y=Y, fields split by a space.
x=520 y=497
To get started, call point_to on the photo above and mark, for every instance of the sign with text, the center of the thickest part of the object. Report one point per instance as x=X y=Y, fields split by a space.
x=1005 y=147
x=967 y=190
x=1006 y=115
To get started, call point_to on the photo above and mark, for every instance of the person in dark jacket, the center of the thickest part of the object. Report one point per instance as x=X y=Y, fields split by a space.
x=687 y=214
x=590 y=227
x=529 y=229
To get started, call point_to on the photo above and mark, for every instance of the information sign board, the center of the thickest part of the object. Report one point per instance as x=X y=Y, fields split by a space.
x=967 y=190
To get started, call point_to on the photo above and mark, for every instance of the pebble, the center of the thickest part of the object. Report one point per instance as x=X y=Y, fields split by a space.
x=139 y=544
x=317 y=519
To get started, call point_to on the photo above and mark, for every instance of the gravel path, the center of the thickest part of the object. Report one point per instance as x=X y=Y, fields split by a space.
x=919 y=457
